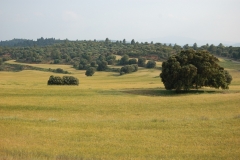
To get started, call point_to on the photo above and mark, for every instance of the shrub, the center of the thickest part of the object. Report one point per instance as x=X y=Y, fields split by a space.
x=151 y=64
x=55 y=80
x=70 y=80
x=141 y=62
x=128 y=69
x=90 y=71
x=65 y=80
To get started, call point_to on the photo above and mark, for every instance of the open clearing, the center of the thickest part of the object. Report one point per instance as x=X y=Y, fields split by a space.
x=116 y=117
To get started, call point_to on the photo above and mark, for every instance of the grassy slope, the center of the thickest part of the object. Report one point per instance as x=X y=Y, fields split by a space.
x=115 y=117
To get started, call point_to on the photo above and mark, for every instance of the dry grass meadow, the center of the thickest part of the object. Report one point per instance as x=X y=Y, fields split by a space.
x=116 y=117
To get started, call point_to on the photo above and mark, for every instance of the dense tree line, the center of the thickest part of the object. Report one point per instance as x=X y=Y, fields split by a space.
x=28 y=43
x=219 y=50
x=82 y=53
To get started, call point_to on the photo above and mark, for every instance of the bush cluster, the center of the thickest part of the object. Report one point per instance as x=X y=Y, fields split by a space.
x=128 y=69
x=65 y=80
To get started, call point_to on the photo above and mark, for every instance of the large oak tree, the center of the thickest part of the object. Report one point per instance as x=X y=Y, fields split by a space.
x=194 y=69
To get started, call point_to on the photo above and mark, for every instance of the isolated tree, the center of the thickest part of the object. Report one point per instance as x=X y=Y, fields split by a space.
x=193 y=69
x=90 y=71
x=151 y=64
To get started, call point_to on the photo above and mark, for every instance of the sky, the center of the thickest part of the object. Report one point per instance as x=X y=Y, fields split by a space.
x=165 y=21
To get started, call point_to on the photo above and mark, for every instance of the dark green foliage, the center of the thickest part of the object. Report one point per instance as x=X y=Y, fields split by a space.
x=151 y=64
x=124 y=60
x=193 y=69
x=195 y=46
x=76 y=52
x=135 y=67
x=128 y=69
x=70 y=80
x=90 y=71
x=124 y=41
x=132 y=42
x=132 y=61
x=25 y=42
x=102 y=65
x=93 y=64
x=111 y=59
x=56 y=61
x=83 y=64
x=81 y=53
x=141 y=62
x=55 y=80
x=65 y=80
x=59 y=70
x=186 y=46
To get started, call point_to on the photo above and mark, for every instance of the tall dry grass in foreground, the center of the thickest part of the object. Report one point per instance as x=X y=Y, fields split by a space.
x=115 y=117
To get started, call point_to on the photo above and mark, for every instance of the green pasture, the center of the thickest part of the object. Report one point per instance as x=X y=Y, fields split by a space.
x=116 y=117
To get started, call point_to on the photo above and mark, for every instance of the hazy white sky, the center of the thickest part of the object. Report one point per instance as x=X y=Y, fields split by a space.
x=143 y=20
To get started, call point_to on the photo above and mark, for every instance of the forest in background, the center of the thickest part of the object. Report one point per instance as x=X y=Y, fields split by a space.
x=85 y=53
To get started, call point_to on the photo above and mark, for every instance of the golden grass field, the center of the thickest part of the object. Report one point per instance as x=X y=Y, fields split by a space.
x=116 y=117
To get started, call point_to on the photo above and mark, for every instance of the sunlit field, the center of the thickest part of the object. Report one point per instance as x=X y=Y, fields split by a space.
x=109 y=116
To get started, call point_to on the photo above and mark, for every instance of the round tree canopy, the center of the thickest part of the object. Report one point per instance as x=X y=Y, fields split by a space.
x=194 y=69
